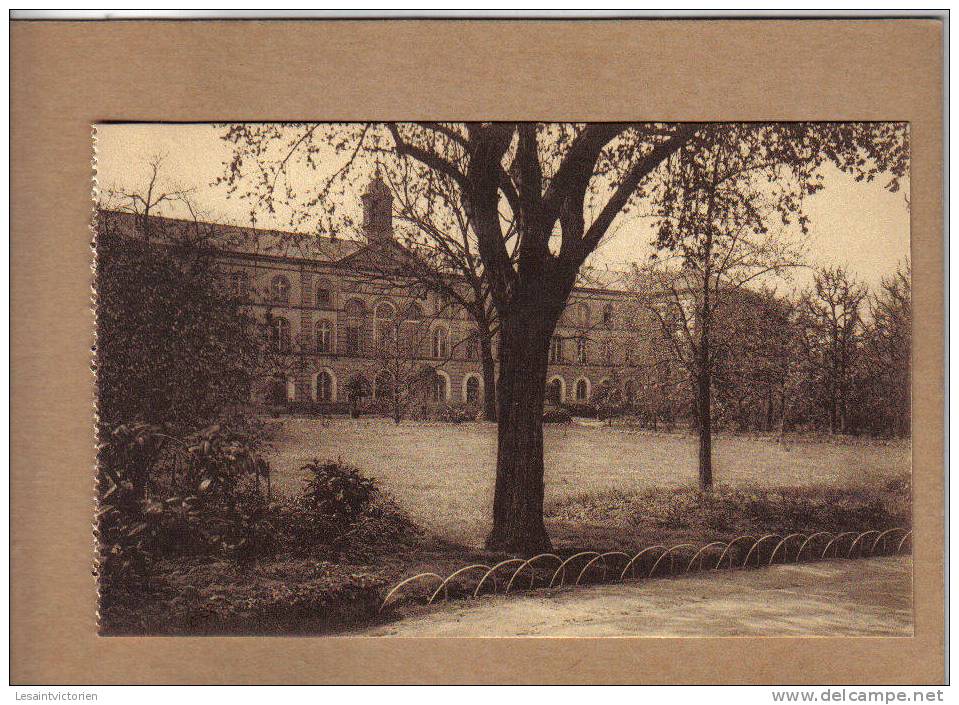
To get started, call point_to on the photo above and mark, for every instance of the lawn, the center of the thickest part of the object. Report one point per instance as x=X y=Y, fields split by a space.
x=442 y=474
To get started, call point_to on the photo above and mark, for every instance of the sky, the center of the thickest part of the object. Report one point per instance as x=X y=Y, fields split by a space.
x=860 y=225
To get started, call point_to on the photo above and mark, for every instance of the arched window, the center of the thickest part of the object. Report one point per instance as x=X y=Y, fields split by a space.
x=324 y=295
x=582 y=390
x=324 y=337
x=355 y=308
x=355 y=316
x=280 y=290
x=472 y=389
x=556 y=350
x=440 y=387
x=324 y=386
x=280 y=335
x=582 y=351
x=554 y=391
x=440 y=340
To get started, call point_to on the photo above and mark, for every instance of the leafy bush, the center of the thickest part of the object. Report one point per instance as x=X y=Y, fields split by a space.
x=340 y=510
x=162 y=496
x=338 y=490
x=583 y=409
x=445 y=412
x=556 y=414
x=458 y=413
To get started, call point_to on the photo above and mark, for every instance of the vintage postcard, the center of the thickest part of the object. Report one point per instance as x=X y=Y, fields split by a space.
x=504 y=379
x=457 y=351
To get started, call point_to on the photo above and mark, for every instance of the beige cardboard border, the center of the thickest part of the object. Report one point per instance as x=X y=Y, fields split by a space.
x=66 y=76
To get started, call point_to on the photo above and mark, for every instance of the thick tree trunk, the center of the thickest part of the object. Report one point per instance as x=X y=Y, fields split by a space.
x=518 y=499
x=489 y=379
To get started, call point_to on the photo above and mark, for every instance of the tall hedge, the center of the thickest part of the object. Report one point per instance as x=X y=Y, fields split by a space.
x=174 y=344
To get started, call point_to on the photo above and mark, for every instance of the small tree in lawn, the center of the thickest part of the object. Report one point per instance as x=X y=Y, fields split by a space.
x=399 y=348
x=716 y=207
x=436 y=252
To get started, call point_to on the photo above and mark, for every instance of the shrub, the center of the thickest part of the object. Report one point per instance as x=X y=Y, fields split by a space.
x=727 y=511
x=458 y=413
x=583 y=409
x=340 y=510
x=338 y=490
x=164 y=496
x=174 y=345
x=556 y=414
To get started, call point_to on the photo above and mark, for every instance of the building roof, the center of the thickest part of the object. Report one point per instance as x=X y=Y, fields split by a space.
x=242 y=240
x=349 y=253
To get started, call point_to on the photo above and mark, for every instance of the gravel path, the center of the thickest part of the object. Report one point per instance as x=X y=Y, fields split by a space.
x=864 y=597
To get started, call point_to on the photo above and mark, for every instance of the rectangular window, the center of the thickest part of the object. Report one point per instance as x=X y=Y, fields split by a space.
x=324 y=299
x=384 y=338
x=556 y=350
x=581 y=354
x=352 y=339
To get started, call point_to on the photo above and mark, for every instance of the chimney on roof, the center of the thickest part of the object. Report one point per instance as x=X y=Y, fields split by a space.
x=377 y=210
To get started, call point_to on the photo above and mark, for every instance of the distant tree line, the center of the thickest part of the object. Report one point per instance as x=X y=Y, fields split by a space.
x=833 y=358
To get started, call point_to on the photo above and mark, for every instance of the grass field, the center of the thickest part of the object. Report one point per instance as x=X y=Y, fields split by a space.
x=442 y=474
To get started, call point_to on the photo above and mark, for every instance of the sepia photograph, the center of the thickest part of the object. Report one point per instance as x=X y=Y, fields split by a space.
x=503 y=379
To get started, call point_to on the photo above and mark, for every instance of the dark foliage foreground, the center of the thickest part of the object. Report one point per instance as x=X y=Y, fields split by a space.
x=191 y=539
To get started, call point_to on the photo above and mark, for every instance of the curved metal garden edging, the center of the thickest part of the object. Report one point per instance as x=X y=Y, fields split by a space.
x=863 y=540
x=635 y=558
x=562 y=566
x=837 y=538
x=857 y=540
x=884 y=534
x=726 y=550
x=784 y=544
x=444 y=586
x=672 y=558
x=809 y=540
x=702 y=552
x=405 y=582
x=755 y=546
x=530 y=562
x=492 y=571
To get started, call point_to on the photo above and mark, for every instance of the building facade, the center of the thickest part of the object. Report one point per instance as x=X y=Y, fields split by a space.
x=332 y=320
